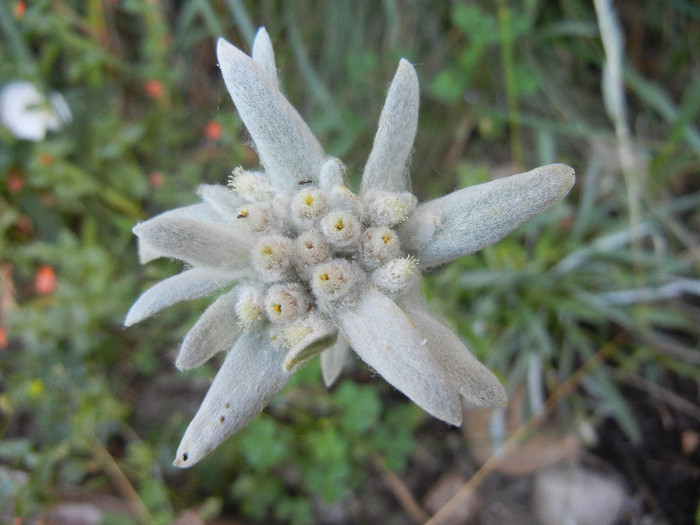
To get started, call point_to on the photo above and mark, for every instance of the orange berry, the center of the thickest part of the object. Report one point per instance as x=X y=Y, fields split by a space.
x=20 y=8
x=154 y=88
x=212 y=130
x=45 y=280
x=156 y=179
x=14 y=182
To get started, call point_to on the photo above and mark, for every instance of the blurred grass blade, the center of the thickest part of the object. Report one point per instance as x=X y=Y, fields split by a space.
x=301 y=56
x=607 y=244
x=18 y=47
x=688 y=112
x=657 y=99
x=200 y=7
x=506 y=31
x=588 y=197
x=674 y=289
x=616 y=405
x=242 y=19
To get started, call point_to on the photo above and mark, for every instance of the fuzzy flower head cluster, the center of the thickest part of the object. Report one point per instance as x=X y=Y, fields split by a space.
x=304 y=266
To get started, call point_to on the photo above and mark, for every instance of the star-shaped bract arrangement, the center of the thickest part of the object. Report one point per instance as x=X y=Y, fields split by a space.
x=309 y=267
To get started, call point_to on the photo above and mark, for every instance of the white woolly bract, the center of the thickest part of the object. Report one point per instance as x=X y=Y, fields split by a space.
x=221 y=199
x=212 y=333
x=198 y=243
x=249 y=378
x=468 y=220
x=333 y=359
x=264 y=55
x=184 y=286
x=476 y=383
x=331 y=174
x=308 y=337
x=387 y=165
x=383 y=336
x=287 y=148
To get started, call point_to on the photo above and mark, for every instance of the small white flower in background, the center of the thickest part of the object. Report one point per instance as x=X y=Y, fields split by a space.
x=28 y=114
x=308 y=267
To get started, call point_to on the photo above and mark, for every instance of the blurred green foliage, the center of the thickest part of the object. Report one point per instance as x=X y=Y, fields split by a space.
x=141 y=80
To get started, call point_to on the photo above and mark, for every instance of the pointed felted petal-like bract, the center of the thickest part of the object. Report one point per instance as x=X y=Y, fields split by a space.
x=147 y=253
x=331 y=174
x=288 y=150
x=198 y=243
x=249 y=378
x=314 y=344
x=468 y=220
x=383 y=336
x=220 y=198
x=184 y=286
x=333 y=359
x=475 y=382
x=308 y=336
x=264 y=54
x=213 y=332
x=387 y=165
x=201 y=211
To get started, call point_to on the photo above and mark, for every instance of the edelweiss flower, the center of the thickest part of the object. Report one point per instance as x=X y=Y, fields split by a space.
x=27 y=114
x=309 y=267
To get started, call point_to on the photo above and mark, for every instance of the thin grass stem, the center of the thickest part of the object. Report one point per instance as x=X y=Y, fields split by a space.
x=506 y=30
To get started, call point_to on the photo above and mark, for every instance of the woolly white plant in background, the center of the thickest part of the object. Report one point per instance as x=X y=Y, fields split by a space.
x=308 y=267
x=28 y=115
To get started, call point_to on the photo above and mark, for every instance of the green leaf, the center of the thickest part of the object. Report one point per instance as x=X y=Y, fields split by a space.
x=361 y=407
x=296 y=511
x=264 y=443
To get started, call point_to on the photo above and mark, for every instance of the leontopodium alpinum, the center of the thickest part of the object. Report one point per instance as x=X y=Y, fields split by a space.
x=306 y=266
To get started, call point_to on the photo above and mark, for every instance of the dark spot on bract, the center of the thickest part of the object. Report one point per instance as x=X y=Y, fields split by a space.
x=185 y=456
x=221 y=419
x=227 y=405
